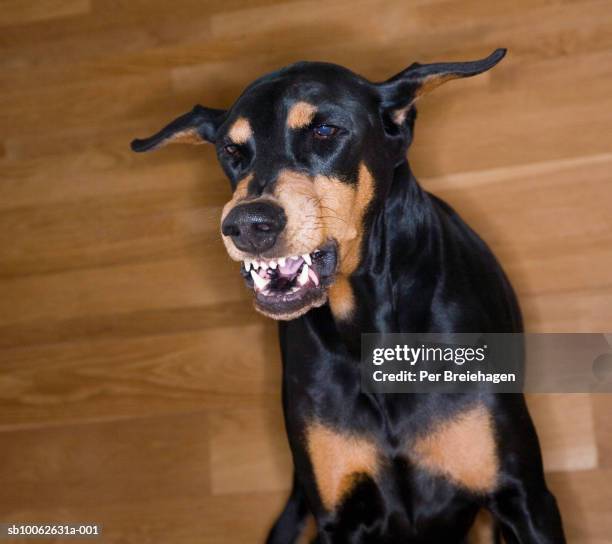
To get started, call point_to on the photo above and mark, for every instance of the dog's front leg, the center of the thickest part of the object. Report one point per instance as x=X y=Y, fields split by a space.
x=523 y=506
x=528 y=515
x=290 y=524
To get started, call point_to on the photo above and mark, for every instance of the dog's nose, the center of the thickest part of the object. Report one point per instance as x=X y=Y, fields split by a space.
x=255 y=226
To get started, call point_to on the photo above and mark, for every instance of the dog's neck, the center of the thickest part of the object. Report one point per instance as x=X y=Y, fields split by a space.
x=400 y=241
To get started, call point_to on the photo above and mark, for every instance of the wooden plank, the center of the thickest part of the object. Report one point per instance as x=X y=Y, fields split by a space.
x=70 y=466
x=581 y=310
x=74 y=105
x=565 y=428
x=514 y=121
x=117 y=378
x=108 y=168
x=128 y=324
x=552 y=243
x=204 y=279
x=249 y=451
x=15 y=12
x=115 y=230
x=602 y=410
x=585 y=500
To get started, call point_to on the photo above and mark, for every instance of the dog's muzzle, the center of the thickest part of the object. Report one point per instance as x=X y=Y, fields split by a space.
x=287 y=287
x=254 y=227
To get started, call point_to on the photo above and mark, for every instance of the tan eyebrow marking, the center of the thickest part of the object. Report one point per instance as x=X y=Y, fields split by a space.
x=300 y=115
x=241 y=131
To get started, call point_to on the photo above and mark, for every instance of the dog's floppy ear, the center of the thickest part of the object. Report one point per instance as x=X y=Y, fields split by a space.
x=195 y=127
x=399 y=93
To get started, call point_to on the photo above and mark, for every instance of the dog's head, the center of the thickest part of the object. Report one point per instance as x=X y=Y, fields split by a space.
x=309 y=151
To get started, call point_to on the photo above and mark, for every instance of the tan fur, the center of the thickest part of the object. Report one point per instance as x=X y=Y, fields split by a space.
x=483 y=530
x=187 y=136
x=349 y=237
x=462 y=449
x=335 y=210
x=337 y=460
x=294 y=315
x=427 y=85
x=318 y=209
x=341 y=298
x=240 y=131
x=240 y=194
x=300 y=115
x=308 y=532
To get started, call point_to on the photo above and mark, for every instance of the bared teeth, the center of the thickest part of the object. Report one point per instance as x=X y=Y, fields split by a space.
x=260 y=283
x=303 y=277
x=313 y=276
x=287 y=267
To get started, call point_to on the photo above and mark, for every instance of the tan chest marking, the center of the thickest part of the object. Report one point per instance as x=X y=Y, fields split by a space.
x=337 y=459
x=462 y=449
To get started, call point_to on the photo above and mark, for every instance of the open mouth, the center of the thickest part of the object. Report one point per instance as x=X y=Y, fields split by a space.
x=286 y=287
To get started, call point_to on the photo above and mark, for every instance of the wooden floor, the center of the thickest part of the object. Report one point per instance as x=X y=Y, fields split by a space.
x=137 y=387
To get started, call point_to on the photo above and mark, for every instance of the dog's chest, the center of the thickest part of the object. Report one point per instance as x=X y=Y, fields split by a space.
x=460 y=450
x=345 y=435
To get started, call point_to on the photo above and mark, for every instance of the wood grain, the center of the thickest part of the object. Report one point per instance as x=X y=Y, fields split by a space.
x=138 y=387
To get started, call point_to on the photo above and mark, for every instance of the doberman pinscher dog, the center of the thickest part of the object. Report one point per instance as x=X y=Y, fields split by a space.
x=336 y=238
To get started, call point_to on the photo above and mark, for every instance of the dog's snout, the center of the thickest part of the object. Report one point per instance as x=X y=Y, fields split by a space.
x=254 y=227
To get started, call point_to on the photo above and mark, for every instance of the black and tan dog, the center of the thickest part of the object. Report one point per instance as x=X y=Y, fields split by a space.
x=336 y=238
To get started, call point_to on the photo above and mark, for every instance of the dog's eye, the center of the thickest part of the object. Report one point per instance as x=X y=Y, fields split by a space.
x=324 y=132
x=231 y=149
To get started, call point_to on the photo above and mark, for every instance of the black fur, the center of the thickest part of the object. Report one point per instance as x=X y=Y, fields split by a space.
x=422 y=269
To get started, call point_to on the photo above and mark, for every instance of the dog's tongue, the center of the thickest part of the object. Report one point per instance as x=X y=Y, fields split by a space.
x=291 y=267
